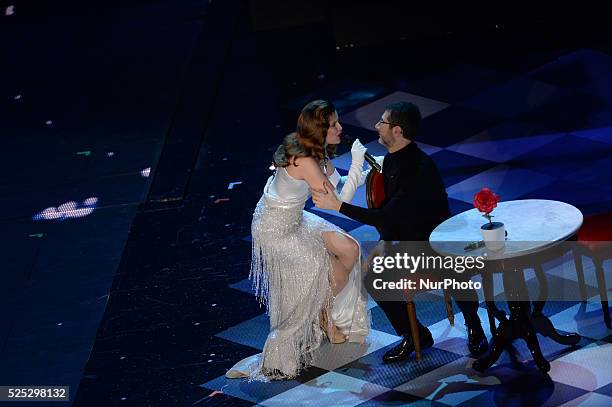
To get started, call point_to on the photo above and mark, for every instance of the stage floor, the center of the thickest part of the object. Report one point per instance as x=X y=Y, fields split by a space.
x=138 y=301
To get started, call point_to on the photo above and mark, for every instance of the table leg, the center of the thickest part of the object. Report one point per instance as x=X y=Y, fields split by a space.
x=542 y=323
x=488 y=285
x=518 y=325
x=501 y=334
x=528 y=333
x=449 y=307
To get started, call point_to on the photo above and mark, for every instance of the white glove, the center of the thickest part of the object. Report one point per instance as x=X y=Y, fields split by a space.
x=355 y=176
x=357 y=152
x=335 y=178
x=337 y=181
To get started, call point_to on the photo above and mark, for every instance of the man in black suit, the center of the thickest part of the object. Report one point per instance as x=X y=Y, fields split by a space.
x=415 y=203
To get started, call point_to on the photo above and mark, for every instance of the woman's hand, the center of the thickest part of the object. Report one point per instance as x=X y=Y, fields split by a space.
x=357 y=152
x=354 y=178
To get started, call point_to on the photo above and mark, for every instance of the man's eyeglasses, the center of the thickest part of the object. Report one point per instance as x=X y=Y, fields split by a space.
x=381 y=121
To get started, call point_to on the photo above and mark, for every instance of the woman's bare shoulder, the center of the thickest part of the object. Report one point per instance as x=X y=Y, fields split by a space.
x=308 y=162
x=299 y=167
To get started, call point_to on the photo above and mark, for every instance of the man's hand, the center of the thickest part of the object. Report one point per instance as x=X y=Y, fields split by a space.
x=326 y=199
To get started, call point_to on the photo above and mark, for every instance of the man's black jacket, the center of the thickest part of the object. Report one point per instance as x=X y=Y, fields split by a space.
x=415 y=199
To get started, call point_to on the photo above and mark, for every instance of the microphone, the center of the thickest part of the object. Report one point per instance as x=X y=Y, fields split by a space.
x=368 y=157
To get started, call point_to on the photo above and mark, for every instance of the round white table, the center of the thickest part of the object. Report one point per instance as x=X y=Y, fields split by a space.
x=533 y=226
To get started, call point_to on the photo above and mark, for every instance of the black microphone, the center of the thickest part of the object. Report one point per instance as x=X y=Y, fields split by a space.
x=368 y=157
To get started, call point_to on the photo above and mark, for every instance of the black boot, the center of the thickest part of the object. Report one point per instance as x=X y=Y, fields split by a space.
x=477 y=341
x=406 y=347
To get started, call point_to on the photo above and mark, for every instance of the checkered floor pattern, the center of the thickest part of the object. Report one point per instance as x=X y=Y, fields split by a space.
x=539 y=135
x=352 y=374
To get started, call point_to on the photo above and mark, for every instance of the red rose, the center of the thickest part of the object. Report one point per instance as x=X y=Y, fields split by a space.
x=485 y=200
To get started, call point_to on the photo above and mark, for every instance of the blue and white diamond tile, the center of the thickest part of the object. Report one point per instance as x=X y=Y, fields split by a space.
x=589 y=400
x=576 y=69
x=371 y=303
x=454 y=338
x=596 y=174
x=588 y=198
x=504 y=142
x=531 y=389
x=454 y=124
x=244 y=285
x=344 y=94
x=554 y=114
x=365 y=233
x=587 y=368
x=256 y=391
x=397 y=398
x=372 y=369
x=509 y=183
x=252 y=332
x=335 y=388
x=606 y=390
x=456 y=167
x=453 y=383
x=367 y=116
x=457 y=206
x=332 y=356
x=516 y=96
x=585 y=319
x=567 y=270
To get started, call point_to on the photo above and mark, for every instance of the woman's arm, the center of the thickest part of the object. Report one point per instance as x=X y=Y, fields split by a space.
x=330 y=168
x=308 y=170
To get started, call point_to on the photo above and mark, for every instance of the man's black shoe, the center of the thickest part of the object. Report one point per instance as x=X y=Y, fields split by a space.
x=406 y=347
x=477 y=341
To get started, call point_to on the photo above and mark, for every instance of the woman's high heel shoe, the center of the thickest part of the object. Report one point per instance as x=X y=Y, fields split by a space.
x=332 y=332
x=337 y=336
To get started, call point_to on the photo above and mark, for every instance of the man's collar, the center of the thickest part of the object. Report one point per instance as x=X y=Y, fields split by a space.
x=410 y=147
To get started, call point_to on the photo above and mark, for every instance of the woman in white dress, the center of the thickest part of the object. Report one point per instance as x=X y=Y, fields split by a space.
x=304 y=268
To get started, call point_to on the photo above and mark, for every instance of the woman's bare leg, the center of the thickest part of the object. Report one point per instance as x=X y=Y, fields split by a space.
x=339 y=276
x=344 y=253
